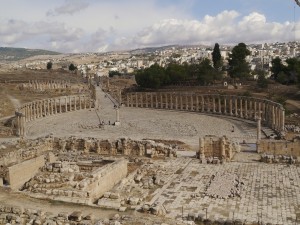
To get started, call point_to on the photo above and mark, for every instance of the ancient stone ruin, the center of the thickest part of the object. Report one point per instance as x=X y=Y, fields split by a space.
x=215 y=150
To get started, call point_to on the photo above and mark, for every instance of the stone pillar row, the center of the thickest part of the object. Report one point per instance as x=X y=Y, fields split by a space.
x=270 y=113
x=47 y=107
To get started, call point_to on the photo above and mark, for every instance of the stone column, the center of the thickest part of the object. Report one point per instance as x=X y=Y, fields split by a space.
x=207 y=103
x=66 y=104
x=176 y=102
x=219 y=105
x=230 y=106
x=59 y=105
x=201 y=150
x=166 y=99
x=146 y=99
x=225 y=105
x=258 y=129
x=202 y=103
x=192 y=103
x=282 y=128
x=127 y=100
x=236 y=106
x=186 y=103
x=151 y=99
x=181 y=102
x=136 y=100
x=55 y=106
x=273 y=118
x=197 y=103
x=214 y=104
x=241 y=108
x=156 y=100
x=171 y=101
x=246 y=108
x=79 y=102
x=70 y=104
x=161 y=100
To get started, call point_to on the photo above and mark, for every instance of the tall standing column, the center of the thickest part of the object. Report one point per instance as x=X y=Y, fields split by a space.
x=197 y=103
x=151 y=99
x=186 y=102
x=176 y=102
x=202 y=103
x=230 y=106
x=70 y=104
x=181 y=102
x=55 y=106
x=214 y=104
x=127 y=100
x=225 y=105
x=146 y=97
x=282 y=119
x=59 y=105
x=246 y=109
x=161 y=100
x=236 y=106
x=171 y=101
x=136 y=100
x=219 y=105
x=207 y=103
x=156 y=100
x=258 y=129
x=241 y=108
x=167 y=101
x=273 y=117
x=192 y=102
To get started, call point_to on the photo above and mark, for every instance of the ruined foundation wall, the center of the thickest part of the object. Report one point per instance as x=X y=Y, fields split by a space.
x=279 y=147
x=22 y=172
x=106 y=178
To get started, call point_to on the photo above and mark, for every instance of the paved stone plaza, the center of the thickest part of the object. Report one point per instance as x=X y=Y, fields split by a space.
x=270 y=193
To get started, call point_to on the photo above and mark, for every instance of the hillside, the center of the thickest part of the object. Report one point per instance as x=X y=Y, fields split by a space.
x=14 y=54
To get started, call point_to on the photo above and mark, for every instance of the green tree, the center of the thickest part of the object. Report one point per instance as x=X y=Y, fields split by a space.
x=282 y=78
x=152 y=77
x=49 y=65
x=113 y=73
x=262 y=81
x=206 y=74
x=277 y=67
x=176 y=73
x=216 y=57
x=238 y=66
x=72 y=67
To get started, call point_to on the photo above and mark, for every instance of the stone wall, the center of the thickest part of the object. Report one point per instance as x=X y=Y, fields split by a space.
x=105 y=178
x=122 y=146
x=272 y=114
x=20 y=173
x=213 y=149
x=280 y=147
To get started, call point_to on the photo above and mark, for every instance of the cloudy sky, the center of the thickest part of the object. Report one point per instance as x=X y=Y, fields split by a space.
x=105 y=25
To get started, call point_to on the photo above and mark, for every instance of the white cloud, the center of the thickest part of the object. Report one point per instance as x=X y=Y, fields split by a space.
x=109 y=27
x=69 y=7
x=226 y=28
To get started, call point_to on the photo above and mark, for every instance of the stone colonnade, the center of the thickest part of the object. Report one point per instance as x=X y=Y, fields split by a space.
x=272 y=114
x=49 y=84
x=47 y=107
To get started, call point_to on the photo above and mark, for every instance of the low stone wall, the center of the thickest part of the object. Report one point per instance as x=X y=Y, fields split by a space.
x=279 y=147
x=122 y=146
x=272 y=114
x=105 y=178
x=20 y=173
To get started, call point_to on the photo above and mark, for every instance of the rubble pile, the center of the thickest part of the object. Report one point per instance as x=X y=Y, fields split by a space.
x=266 y=158
x=224 y=186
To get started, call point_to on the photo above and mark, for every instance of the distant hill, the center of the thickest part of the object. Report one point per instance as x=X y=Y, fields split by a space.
x=15 y=54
